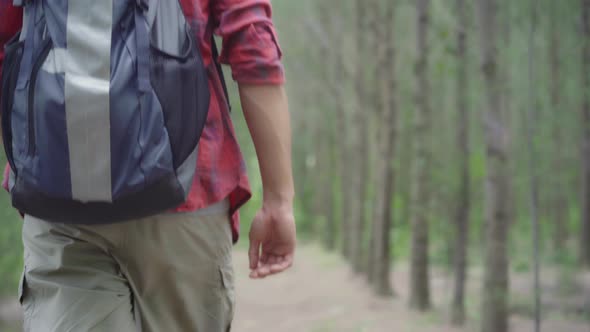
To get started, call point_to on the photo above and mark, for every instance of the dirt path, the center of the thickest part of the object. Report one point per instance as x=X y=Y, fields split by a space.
x=320 y=295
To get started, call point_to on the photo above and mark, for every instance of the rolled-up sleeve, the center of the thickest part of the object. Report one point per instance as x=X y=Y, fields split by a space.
x=250 y=44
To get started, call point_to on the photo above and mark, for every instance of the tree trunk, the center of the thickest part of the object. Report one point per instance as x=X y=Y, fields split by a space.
x=495 y=283
x=344 y=169
x=375 y=27
x=341 y=143
x=559 y=199
x=419 y=285
x=585 y=204
x=406 y=153
x=335 y=63
x=463 y=203
x=357 y=183
x=329 y=238
x=389 y=116
x=514 y=121
x=533 y=166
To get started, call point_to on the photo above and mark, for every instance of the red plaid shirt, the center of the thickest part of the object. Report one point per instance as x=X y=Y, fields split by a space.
x=251 y=48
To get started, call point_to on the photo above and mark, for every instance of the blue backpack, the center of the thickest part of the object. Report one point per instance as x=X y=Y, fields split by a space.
x=103 y=104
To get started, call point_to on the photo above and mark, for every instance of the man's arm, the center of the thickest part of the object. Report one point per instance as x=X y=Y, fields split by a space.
x=267 y=115
x=272 y=236
x=251 y=48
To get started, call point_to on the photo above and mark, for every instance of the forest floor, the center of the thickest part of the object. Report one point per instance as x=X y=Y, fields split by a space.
x=320 y=294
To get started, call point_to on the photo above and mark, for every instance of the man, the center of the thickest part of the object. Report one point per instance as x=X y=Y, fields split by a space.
x=172 y=271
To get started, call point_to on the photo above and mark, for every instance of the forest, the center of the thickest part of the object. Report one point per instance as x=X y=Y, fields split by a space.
x=435 y=138
x=444 y=133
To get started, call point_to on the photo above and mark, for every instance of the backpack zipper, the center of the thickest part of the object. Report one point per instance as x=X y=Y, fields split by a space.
x=31 y=97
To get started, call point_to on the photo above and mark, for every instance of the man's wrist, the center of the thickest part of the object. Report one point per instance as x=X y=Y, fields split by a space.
x=278 y=198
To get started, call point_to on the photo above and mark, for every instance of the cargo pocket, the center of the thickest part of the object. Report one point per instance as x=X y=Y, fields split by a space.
x=21 y=288
x=10 y=71
x=24 y=299
x=226 y=275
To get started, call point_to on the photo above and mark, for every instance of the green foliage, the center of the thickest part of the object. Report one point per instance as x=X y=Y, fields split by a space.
x=10 y=244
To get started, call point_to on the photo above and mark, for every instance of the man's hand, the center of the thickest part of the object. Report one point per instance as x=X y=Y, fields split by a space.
x=272 y=240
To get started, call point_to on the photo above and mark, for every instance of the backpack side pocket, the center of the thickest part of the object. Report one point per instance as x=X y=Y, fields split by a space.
x=13 y=53
x=181 y=84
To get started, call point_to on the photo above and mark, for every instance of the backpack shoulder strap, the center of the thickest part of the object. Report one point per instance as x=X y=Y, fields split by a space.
x=215 y=53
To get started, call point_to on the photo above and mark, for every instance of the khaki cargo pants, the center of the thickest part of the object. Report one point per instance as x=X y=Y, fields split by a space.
x=168 y=273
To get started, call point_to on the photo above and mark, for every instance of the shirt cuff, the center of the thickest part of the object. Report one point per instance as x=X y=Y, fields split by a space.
x=254 y=55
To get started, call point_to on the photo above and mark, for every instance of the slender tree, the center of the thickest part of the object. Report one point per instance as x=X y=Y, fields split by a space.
x=389 y=117
x=360 y=124
x=495 y=283
x=513 y=121
x=558 y=196
x=329 y=160
x=377 y=25
x=533 y=172
x=330 y=229
x=464 y=195
x=330 y=37
x=344 y=125
x=419 y=284
x=585 y=110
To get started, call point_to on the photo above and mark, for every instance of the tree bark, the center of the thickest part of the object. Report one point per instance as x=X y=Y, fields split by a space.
x=495 y=283
x=419 y=285
x=585 y=110
x=389 y=120
x=463 y=202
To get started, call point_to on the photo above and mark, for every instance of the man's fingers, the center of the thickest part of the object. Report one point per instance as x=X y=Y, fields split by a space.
x=264 y=270
x=273 y=260
x=254 y=253
x=281 y=264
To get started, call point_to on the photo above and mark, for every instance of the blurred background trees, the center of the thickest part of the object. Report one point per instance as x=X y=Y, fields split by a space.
x=410 y=147
x=413 y=116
